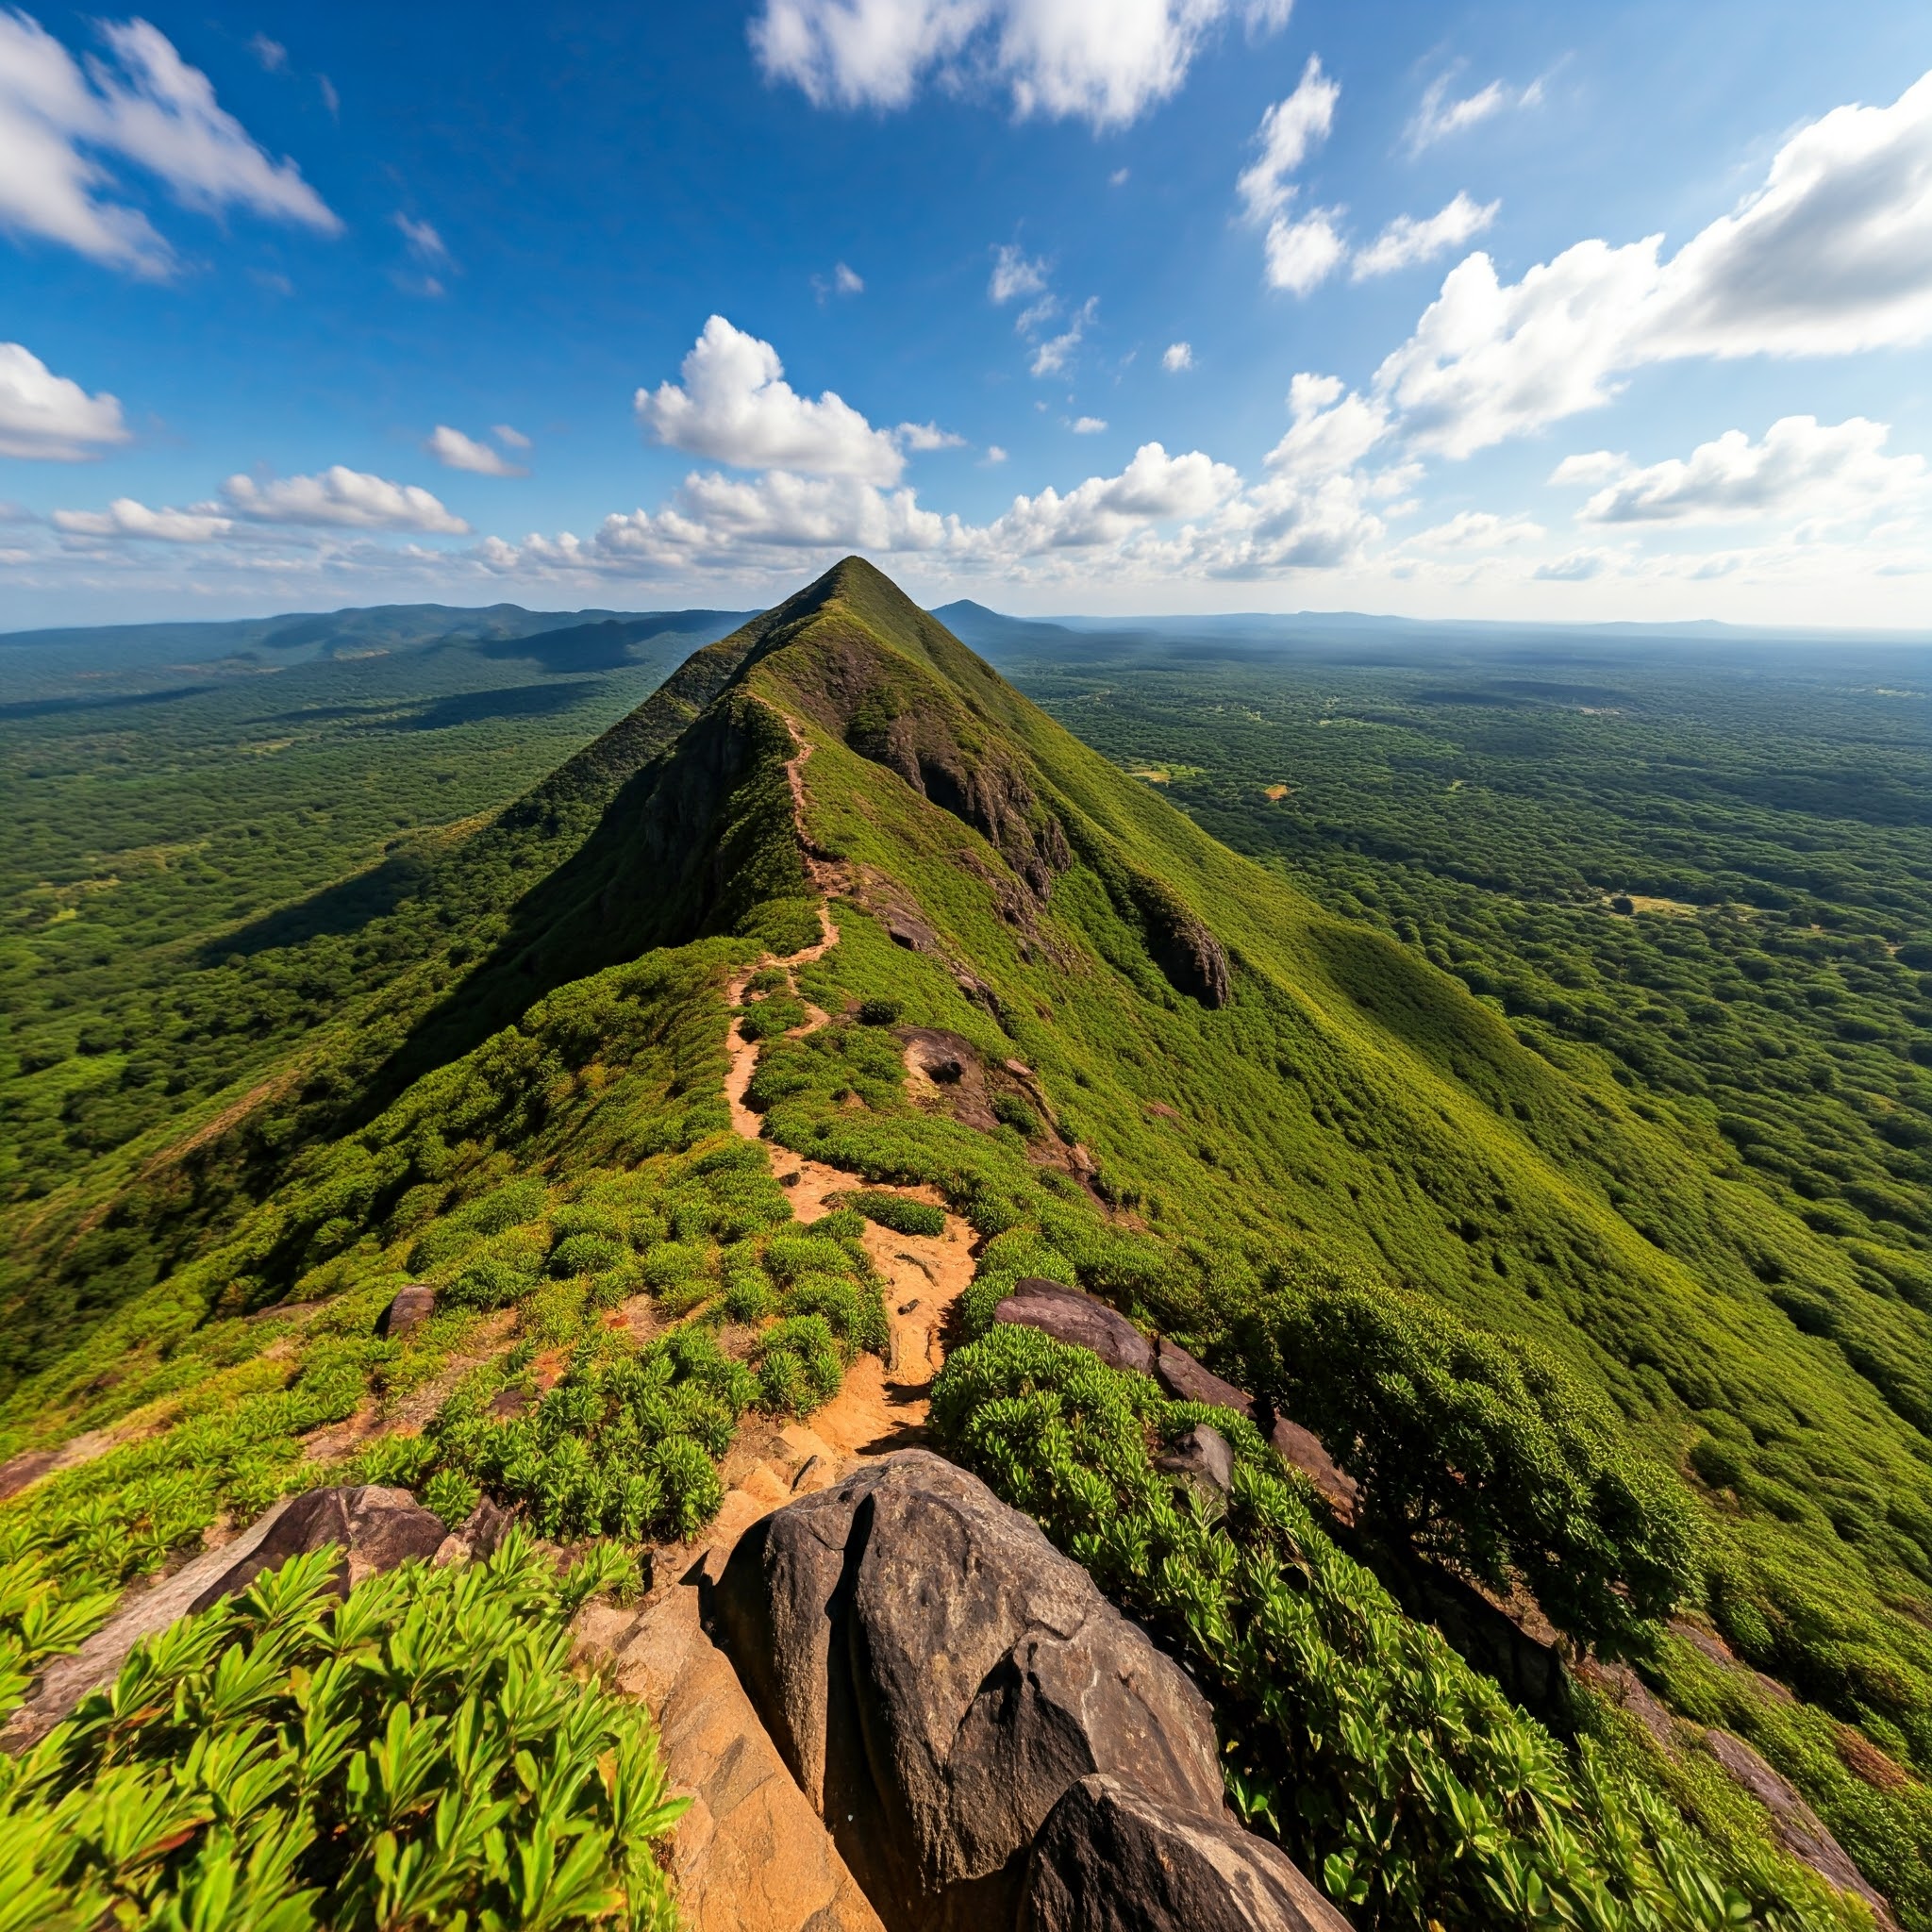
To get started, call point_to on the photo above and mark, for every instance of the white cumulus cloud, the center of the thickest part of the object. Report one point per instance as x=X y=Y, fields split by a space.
x=1302 y=255
x=339 y=495
x=1478 y=529
x=927 y=436
x=1290 y=130
x=1440 y=116
x=456 y=451
x=142 y=103
x=125 y=517
x=48 y=417
x=1831 y=255
x=1177 y=357
x=1408 y=241
x=1103 y=61
x=1015 y=273
x=1823 y=473
x=1052 y=356
x=735 y=406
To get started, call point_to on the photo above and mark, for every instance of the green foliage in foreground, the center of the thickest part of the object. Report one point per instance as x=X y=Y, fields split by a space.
x=1397 y=1776
x=1482 y=1452
x=418 y=1755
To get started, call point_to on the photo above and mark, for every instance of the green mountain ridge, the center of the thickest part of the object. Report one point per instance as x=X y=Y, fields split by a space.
x=1226 y=1090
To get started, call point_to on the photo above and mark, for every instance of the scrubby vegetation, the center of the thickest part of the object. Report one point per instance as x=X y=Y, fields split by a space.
x=1397 y=1776
x=418 y=1754
x=1523 y=1274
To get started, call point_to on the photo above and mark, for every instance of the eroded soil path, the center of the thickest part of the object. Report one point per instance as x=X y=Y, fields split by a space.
x=751 y=1855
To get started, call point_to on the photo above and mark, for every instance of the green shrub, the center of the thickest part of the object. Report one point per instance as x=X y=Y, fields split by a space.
x=488 y=1282
x=1483 y=1452
x=1010 y=1110
x=1398 y=1776
x=596 y=1456
x=791 y=1255
x=898 y=1212
x=800 y=1365
x=776 y=1013
x=853 y=1311
x=878 y=1012
x=450 y=1497
x=587 y=1254
x=421 y=1754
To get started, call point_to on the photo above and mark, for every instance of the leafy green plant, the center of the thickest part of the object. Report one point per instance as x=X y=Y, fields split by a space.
x=898 y=1212
x=419 y=1753
x=1481 y=1451
x=624 y=1445
x=1398 y=1776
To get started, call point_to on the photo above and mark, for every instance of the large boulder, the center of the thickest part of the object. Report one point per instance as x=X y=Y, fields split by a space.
x=1186 y=1380
x=937 y=1675
x=1077 y=1319
x=375 y=1530
x=412 y=1306
x=1110 y=1860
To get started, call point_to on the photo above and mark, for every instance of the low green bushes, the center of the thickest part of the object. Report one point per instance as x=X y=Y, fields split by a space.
x=1482 y=1452
x=420 y=1755
x=898 y=1212
x=624 y=1445
x=1398 y=1776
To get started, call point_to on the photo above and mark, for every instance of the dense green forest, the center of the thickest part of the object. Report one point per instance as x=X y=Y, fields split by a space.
x=1542 y=1119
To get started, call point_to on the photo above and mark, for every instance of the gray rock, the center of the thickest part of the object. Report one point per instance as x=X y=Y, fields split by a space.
x=1803 y=1833
x=1186 y=1380
x=413 y=1306
x=937 y=1675
x=1110 y=1860
x=1077 y=1319
x=376 y=1528
x=1301 y=1449
x=1203 y=1456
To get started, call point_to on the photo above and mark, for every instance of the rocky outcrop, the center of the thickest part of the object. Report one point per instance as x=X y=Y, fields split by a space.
x=1302 y=1449
x=413 y=1306
x=1799 y=1828
x=1108 y=1861
x=937 y=1675
x=750 y=1855
x=375 y=1528
x=1186 y=1380
x=141 y=1613
x=1204 y=1457
x=1079 y=1320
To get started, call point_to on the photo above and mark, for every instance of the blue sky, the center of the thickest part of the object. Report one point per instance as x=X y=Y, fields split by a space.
x=1066 y=305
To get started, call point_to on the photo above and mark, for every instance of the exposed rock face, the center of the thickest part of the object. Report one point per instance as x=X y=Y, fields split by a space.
x=1803 y=1833
x=140 y=1614
x=376 y=1528
x=1202 y=1456
x=750 y=1855
x=1077 y=1319
x=1301 y=1449
x=936 y=1675
x=412 y=1306
x=1186 y=1380
x=1110 y=1860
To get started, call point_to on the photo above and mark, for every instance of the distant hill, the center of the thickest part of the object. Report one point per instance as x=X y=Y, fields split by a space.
x=124 y=658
